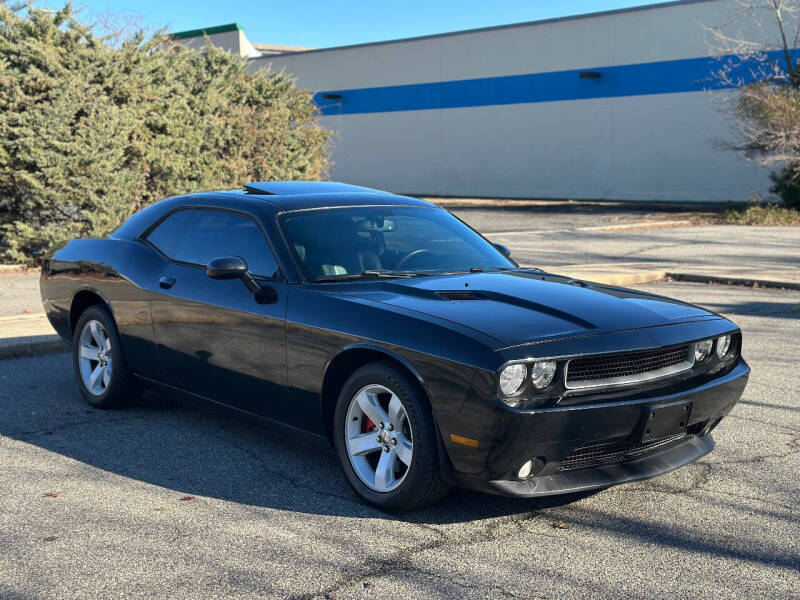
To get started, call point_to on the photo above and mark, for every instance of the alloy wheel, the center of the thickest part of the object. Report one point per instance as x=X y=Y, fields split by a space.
x=94 y=358
x=378 y=438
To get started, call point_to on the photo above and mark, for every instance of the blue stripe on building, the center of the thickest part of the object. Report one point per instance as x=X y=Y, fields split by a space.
x=664 y=77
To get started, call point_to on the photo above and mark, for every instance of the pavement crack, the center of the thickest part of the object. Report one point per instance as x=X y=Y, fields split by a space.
x=285 y=477
x=788 y=428
x=759 y=458
x=467 y=586
x=657 y=247
x=402 y=560
x=768 y=502
x=26 y=435
x=699 y=481
x=178 y=535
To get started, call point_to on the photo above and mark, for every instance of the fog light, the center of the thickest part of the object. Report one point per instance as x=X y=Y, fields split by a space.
x=525 y=470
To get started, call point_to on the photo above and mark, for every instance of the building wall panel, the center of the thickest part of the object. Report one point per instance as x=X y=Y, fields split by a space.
x=634 y=134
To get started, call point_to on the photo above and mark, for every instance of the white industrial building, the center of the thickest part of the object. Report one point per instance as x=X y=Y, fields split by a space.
x=611 y=105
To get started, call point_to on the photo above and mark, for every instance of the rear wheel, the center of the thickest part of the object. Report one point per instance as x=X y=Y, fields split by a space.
x=102 y=375
x=386 y=440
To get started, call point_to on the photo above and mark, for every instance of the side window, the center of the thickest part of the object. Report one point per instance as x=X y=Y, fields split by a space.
x=215 y=233
x=169 y=232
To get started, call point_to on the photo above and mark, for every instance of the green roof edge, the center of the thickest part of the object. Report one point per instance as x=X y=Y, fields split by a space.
x=180 y=35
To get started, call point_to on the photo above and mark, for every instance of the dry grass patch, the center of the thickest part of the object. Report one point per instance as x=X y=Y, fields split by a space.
x=760 y=214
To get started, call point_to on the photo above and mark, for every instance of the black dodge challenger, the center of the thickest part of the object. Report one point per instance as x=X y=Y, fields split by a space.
x=387 y=326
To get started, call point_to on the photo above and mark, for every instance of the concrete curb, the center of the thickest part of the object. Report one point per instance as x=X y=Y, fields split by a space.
x=21 y=317
x=28 y=335
x=621 y=274
x=5 y=268
x=629 y=278
x=634 y=225
x=741 y=281
x=34 y=345
x=620 y=279
x=640 y=225
x=460 y=202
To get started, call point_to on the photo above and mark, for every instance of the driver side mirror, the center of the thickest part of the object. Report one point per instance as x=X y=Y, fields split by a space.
x=232 y=267
x=503 y=249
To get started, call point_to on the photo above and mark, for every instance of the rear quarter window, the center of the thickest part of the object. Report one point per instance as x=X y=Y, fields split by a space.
x=167 y=235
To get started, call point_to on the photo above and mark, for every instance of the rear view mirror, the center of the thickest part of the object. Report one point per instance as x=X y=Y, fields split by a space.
x=380 y=224
x=503 y=249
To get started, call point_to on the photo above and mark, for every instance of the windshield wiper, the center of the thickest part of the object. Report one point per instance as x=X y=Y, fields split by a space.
x=476 y=270
x=367 y=274
x=389 y=274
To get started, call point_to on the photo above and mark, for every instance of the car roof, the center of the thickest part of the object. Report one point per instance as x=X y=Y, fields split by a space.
x=294 y=188
x=294 y=195
x=304 y=195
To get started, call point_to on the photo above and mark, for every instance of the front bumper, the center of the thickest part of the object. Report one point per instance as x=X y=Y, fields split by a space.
x=553 y=437
x=601 y=476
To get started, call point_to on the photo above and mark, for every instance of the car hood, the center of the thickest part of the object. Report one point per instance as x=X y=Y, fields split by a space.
x=519 y=307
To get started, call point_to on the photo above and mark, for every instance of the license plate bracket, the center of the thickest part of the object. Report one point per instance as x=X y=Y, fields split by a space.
x=667 y=420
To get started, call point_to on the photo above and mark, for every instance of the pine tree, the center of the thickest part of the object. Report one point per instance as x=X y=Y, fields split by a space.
x=91 y=132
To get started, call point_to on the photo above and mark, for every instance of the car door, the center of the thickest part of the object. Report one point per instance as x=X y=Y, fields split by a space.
x=215 y=338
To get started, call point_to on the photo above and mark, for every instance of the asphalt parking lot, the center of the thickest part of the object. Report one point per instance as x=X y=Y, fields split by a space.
x=163 y=500
x=560 y=216
x=556 y=239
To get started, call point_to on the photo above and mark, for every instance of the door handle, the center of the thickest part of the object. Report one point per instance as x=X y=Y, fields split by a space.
x=166 y=282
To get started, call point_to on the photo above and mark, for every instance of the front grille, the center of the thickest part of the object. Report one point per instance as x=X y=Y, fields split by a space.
x=616 y=452
x=630 y=367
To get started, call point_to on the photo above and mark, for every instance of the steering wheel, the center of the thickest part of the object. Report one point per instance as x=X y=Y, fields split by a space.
x=403 y=261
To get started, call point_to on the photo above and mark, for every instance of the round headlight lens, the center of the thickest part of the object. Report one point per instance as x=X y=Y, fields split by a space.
x=723 y=345
x=512 y=378
x=542 y=373
x=702 y=350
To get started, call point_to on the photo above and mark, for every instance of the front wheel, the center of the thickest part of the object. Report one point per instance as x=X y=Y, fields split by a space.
x=101 y=372
x=386 y=440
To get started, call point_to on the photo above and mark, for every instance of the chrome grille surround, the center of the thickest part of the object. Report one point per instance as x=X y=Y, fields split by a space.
x=627 y=368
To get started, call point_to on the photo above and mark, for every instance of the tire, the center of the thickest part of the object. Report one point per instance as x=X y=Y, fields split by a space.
x=114 y=385
x=390 y=474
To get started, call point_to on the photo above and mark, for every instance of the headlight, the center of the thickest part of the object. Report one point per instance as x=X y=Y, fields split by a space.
x=723 y=345
x=542 y=373
x=512 y=378
x=702 y=350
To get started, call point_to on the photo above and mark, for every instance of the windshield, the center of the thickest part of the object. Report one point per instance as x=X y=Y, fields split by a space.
x=344 y=243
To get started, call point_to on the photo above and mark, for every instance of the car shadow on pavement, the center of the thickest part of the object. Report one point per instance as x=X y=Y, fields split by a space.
x=197 y=453
x=180 y=451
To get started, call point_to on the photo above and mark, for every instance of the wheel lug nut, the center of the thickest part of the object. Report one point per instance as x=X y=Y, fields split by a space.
x=394 y=441
x=386 y=448
x=391 y=427
x=377 y=437
x=381 y=425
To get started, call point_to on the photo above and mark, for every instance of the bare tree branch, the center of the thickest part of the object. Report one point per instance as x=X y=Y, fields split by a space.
x=757 y=48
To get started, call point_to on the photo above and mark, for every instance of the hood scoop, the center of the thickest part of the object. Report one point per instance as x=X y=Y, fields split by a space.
x=458 y=295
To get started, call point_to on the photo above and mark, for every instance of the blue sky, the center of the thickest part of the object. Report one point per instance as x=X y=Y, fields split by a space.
x=321 y=23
